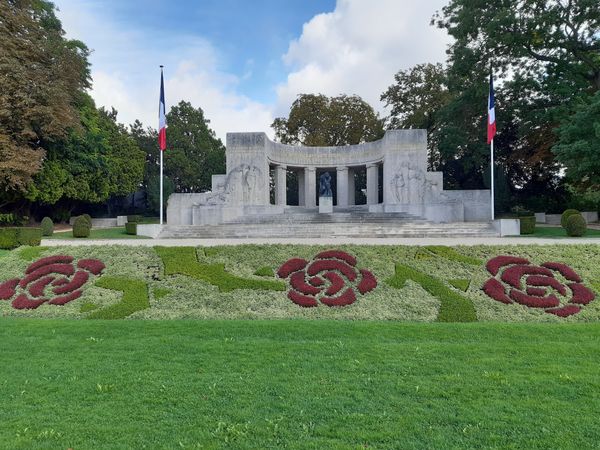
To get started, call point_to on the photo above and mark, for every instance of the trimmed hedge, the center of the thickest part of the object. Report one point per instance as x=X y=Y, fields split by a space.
x=47 y=226
x=81 y=227
x=14 y=237
x=576 y=225
x=131 y=228
x=134 y=218
x=527 y=224
x=565 y=216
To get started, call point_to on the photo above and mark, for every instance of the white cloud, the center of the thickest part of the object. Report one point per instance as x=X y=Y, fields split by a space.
x=357 y=49
x=125 y=72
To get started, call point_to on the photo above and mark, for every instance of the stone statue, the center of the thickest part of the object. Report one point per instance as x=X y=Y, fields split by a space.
x=325 y=185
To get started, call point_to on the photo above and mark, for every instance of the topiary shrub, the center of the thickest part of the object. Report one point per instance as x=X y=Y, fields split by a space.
x=135 y=218
x=29 y=236
x=81 y=227
x=527 y=224
x=47 y=226
x=131 y=228
x=576 y=225
x=88 y=218
x=565 y=216
x=8 y=238
x=14 y=237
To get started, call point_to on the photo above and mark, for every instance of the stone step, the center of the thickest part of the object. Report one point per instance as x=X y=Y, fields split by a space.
x=309 y=230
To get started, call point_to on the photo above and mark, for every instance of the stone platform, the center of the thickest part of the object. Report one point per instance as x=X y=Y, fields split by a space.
x=356 y=222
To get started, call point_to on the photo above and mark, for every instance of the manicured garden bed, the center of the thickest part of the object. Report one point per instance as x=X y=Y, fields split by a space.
x=297 y=384
x=424 y=284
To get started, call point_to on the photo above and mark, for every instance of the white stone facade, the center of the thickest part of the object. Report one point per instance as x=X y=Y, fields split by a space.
x=401 y=155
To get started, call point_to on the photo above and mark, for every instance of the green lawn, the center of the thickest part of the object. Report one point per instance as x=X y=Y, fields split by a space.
x=297 y=384
x=558 y=232
x=98 y=233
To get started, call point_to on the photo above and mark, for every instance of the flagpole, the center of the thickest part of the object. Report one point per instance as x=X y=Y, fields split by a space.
x=492 y=175
x=161 y=151
x=161 y=186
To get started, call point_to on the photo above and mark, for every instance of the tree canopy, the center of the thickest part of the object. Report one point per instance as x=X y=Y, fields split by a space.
x=318 y=120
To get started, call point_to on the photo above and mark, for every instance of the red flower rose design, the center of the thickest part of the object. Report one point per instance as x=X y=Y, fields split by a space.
x=54 y=280
x=516 y=280
x=331 y=278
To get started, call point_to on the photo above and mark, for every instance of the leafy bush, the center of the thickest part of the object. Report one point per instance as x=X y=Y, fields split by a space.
x=14 y=237
x=527 y=224
x=565 y=216
x=81 y=227
x=131 y=228
x=29 y=236
x=135 y=218
x=576 y=225
x=47 y=226
x=8 y=238
x=7 y=219
x=88 y=218
x=61 y=215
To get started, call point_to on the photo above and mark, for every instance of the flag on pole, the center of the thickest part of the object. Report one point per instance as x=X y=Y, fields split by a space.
x=491 y=126
x=162 y=120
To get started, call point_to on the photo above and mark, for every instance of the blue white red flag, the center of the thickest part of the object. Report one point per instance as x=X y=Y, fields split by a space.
x=162 y=120
x=491 y=124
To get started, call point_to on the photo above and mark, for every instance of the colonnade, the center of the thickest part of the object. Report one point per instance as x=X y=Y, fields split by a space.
x=307 y=185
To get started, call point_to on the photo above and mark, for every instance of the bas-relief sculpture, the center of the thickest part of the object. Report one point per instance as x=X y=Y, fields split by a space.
x=407 y=185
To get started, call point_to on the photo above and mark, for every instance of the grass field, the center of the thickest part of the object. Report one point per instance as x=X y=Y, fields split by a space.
x=559 y=232
x=98 y=233
x=297 y=384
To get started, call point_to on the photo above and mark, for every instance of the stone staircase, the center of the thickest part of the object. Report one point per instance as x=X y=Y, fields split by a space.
x=357 y=222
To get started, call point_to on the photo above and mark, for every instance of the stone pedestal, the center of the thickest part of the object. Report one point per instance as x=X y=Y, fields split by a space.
x=325 y=205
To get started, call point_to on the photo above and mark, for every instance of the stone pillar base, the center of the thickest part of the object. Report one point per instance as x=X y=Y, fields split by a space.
x=325 y=205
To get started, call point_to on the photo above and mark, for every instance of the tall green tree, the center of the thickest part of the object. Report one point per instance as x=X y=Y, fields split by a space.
x=193 y=154
x=545 y=55
x=578 y=147
x=318 y=120
x=415 y=100
x=96 y=161
x=42 y=75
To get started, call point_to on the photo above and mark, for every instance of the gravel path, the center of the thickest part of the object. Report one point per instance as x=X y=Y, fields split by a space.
x=322 y=241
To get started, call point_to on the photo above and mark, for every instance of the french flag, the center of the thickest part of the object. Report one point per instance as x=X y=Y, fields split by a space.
x=162 y=120
x=491 y=126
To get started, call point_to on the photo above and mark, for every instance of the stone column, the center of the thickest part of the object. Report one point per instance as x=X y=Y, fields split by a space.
x=310 y=186
x=280 y=185
x=372 y=184
x=351 y=188
x=342 y=186
x=301 y=187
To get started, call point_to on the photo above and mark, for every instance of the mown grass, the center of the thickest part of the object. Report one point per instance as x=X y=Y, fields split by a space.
x=559 y=232
x=97 y=233
x=297 y=384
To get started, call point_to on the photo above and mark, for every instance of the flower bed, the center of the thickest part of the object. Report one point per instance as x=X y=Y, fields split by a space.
x=516 y=283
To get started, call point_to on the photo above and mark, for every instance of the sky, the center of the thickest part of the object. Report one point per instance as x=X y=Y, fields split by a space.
x=245 y=61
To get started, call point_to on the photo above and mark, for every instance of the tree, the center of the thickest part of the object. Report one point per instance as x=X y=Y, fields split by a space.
x=416 y=98
x=578 y=147
x=97 y=160
x=41 y=75
x=317 y=120
x=193 y=154
x=545 y=57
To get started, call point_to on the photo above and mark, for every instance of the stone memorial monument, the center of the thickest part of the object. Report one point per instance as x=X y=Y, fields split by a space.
x=397 y=163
